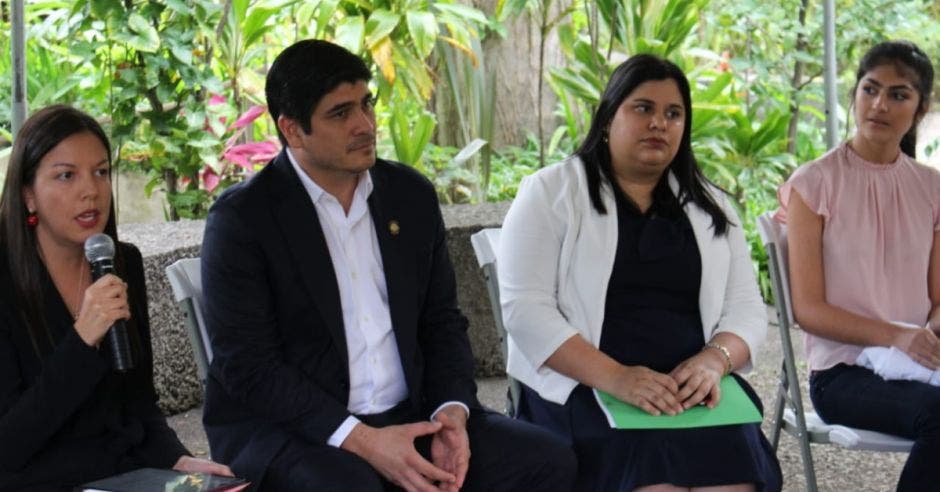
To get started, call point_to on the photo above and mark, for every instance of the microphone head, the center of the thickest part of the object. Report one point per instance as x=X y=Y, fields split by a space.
x=99 y=247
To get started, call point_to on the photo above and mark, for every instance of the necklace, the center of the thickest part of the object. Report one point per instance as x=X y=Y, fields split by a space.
x=78 y=293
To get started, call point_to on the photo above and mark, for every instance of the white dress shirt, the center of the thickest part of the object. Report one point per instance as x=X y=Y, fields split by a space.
x=376 y=377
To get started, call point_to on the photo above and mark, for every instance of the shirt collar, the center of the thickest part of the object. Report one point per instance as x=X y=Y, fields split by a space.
x=363 y=187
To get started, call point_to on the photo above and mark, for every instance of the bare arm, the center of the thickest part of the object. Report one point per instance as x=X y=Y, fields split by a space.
x=816 y=316
x=652 y=391
x=933 y=284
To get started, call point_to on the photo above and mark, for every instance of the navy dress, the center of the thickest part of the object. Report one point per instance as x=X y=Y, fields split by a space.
x=652 y=319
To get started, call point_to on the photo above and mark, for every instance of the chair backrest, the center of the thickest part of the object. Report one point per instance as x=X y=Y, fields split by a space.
x=485 y=243
x=186 y=282
x=789 y=413
x=774 y=236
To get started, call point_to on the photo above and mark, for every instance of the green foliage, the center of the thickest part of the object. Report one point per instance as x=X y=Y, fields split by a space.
x=149 y=69
x=511 y=164
x=472 y=90
x=152 y=67
x=411 y=127
x=147 y=54
x=457 y=183
x=761 y=44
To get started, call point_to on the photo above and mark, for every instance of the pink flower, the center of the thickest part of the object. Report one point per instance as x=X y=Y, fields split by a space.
x=251 y=115
x=210 y=179
x=216 y=99
x=248 y=154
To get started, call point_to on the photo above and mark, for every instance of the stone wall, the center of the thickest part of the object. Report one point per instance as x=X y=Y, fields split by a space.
x=174 y=367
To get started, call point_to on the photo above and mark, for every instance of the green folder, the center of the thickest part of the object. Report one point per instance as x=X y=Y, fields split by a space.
x=734 y=408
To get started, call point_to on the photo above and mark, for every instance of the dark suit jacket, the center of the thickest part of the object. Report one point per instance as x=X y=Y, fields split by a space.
x=273 y=311
x=66 y=418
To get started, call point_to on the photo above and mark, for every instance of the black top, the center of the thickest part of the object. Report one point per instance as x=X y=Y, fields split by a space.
x=651 y=316
x=66 y=418
x=651 y=319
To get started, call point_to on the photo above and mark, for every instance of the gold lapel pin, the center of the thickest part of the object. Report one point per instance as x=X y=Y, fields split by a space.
x=393 y=227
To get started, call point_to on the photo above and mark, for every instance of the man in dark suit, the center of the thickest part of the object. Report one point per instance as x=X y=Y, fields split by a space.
x=341 y=358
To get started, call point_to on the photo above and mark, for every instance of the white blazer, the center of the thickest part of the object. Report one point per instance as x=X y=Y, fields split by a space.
x=555 y=258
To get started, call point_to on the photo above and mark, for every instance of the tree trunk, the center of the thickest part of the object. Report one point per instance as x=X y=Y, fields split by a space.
x=515 y=60
x=796 y=83
x=169 y=179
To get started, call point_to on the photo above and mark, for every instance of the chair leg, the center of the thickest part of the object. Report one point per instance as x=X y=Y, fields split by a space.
x=779 y=401
x=796 y=401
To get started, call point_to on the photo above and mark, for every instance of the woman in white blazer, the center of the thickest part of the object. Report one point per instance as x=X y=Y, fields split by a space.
x=623 y=269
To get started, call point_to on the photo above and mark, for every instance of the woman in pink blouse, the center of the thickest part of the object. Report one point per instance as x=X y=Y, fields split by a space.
x=864 y=224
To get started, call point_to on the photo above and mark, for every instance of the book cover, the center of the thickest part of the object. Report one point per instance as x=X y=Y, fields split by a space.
x=733 y=408
x=156 y=480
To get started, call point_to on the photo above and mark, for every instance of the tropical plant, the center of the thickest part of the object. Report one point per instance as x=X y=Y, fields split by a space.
x=549 y=15
x=471 y=93
x=151 y=57
x=54 y=74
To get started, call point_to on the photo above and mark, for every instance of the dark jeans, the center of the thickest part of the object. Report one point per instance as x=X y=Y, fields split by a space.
x=506 y=455
x=857 y=397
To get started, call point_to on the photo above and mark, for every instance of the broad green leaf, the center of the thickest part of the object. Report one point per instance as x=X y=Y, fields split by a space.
x=423 y=29
x=381 y=23
x=773 y=129
x=464 y=12
x=382 y=55
x=256 y=24
x=414 y=73
x=195 y=119
x=349 y=32
x=144 y=37
x=716 y=87
x=178 y=6
x=327 y=9
x=240 y=10
x=182 y=54
x=102 y=8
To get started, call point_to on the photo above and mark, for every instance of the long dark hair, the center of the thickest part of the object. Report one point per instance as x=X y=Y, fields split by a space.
x=40 y=133
x=913 y=63
x=595 y=152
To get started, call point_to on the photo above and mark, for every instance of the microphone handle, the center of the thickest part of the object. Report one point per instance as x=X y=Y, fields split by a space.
x=117 y=339
x=121 y=357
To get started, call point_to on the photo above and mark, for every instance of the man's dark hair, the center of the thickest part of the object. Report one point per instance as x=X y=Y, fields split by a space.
x=305 y=72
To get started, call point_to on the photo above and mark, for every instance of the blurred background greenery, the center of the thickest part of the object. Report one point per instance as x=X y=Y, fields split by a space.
x=475 y=94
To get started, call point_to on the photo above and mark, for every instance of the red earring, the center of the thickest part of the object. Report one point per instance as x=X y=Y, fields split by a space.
x=32 y=219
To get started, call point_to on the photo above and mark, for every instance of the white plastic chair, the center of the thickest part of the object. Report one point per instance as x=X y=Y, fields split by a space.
x=186 y=282
x=789 y=413
x=485 y=244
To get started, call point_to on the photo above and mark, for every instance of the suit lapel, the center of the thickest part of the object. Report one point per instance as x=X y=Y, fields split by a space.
x=392 y=228
x=297 y=218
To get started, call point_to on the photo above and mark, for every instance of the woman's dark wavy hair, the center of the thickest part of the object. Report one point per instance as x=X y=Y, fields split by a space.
x=595 y=152
x=39 y=134
x=910 y=61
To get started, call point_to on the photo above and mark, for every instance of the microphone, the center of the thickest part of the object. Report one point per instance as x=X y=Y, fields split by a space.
x=99 y=251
